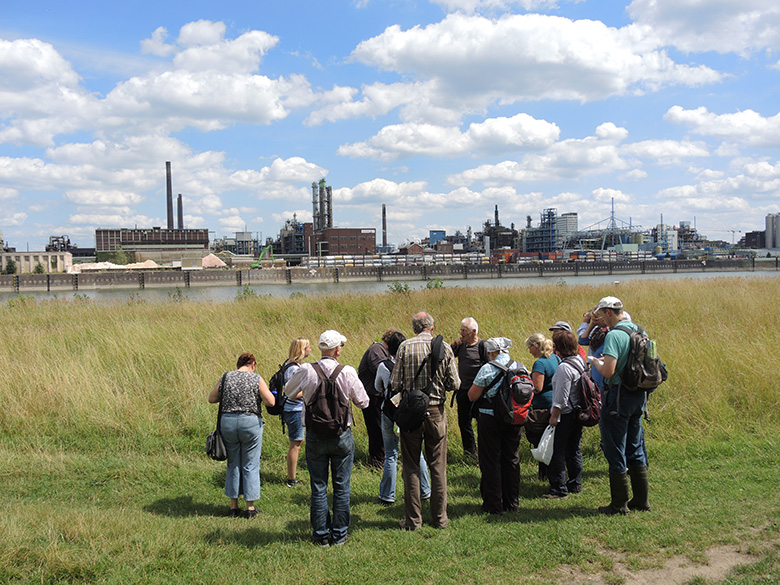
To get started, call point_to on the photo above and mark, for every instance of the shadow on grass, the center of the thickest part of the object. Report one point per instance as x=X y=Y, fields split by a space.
x=255 y=536
x=184 y=506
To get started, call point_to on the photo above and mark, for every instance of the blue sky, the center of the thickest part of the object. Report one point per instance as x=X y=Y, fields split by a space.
x=440 y=109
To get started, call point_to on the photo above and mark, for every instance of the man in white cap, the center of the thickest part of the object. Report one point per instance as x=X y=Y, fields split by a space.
x=329 y=441
x=622 y=436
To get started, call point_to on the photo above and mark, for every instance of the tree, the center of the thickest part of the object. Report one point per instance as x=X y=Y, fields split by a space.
x=10 y=267
x=120 y=257
x=39 y=269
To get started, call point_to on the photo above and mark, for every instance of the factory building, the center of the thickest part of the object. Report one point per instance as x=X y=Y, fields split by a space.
x=155 y=243
x=319 y=237
x=773 y=230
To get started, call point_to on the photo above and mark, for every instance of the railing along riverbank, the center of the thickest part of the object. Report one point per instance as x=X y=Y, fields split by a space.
x=114 y=279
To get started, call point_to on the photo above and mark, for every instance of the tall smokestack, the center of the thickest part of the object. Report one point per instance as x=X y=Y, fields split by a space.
x=497 y=216
x=323 y=220
x=314 y=224
x=170 y=194
x=180 y=212
x=384 y=227
x=329 y=191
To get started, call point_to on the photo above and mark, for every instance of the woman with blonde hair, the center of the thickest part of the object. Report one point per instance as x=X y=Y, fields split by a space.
x=292 y=415
x=542 y=372
x=242 y=430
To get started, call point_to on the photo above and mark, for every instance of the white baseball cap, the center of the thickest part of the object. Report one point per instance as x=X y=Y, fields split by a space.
x=609 y=303
x=330 y=339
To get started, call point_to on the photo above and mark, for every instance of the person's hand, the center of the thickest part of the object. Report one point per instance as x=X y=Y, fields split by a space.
x=458 y=341
x=586 y=317
x=553 y=421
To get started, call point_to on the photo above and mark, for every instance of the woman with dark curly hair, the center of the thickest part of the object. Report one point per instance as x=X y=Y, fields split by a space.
x=242 y=430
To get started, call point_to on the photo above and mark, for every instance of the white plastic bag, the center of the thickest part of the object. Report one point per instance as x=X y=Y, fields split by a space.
x=544 y=451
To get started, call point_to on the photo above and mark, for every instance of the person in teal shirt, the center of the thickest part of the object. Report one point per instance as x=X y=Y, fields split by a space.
x=622 y=435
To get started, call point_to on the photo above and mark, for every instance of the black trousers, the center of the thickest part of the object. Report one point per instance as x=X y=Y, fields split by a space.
x=499 y=463
x=465 y=416
x=567 y=456
x=372 y=414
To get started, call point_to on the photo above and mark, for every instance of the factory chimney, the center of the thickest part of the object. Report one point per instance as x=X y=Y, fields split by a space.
x=384 y=228
x=329 y=191
x=497 y=224
x=170 y=194
x=315 y=224
x=323 y=203
x=180 y=213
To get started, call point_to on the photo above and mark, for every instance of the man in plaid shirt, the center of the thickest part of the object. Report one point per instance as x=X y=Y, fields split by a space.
x=433 y=431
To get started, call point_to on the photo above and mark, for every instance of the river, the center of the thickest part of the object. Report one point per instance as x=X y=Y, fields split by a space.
x=229 y=293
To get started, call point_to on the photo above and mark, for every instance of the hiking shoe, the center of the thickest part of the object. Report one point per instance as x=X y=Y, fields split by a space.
x=252 y=513
x=551 y=496
x=384 y=502
x=291 y=483
x=321 y=543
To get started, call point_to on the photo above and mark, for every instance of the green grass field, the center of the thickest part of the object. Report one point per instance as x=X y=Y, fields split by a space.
x=104 y=419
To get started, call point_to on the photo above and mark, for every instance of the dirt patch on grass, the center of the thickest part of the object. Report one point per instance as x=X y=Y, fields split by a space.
x=675 y=571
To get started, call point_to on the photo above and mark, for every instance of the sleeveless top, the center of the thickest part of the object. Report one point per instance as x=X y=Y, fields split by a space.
x=241 y=393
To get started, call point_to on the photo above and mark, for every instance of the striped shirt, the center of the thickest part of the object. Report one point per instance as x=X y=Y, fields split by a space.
x=410 y=355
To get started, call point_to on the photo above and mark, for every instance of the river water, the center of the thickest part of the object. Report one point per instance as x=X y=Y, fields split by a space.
x=229 y=293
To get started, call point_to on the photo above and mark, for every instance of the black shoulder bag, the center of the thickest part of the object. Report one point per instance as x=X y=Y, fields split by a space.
x=215 y=445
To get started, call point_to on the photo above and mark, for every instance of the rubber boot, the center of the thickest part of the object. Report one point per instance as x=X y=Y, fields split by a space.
x=618 y=489
x=639 y=487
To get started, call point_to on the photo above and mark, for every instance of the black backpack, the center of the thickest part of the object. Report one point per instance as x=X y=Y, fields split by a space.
x=413 y=407
x=589 y=410
x=388 y=408
x=276 y=386
x=644 y=371
x=515 y=392
x=367 y=375
x=327 y=412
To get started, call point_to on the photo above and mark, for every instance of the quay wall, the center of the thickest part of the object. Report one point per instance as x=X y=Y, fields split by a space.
x=345 y=274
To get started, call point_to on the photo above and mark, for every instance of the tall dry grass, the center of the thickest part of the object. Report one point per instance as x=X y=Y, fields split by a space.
x=136 y=374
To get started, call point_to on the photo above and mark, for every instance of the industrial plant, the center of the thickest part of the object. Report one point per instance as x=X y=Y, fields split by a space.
x=320 y=242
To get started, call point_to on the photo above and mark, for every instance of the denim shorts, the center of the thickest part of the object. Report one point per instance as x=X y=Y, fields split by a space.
x=294 y=423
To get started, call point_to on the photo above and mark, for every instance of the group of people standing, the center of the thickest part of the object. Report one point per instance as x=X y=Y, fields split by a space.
x=470 y=368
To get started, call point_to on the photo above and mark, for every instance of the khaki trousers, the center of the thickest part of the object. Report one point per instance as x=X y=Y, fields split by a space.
x=434 y=434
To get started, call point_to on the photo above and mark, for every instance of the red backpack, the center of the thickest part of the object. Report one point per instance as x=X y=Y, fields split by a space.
x=515 y=393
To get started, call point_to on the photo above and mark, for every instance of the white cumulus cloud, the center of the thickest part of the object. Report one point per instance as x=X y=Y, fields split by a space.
x=566 y=159
x=475 y=61
x=746 y=126
x=494 y=135
x=725 y=26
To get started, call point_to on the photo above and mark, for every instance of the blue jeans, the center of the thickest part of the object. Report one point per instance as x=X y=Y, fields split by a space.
x=622 y=435
x=243 y=436
x=294 y=421
x=387 y=484
x=334 y=453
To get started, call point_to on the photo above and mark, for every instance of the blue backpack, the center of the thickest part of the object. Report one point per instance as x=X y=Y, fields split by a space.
x=276 y=386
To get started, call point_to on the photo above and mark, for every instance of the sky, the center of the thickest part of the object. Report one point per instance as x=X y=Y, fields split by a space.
x=440 y=109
